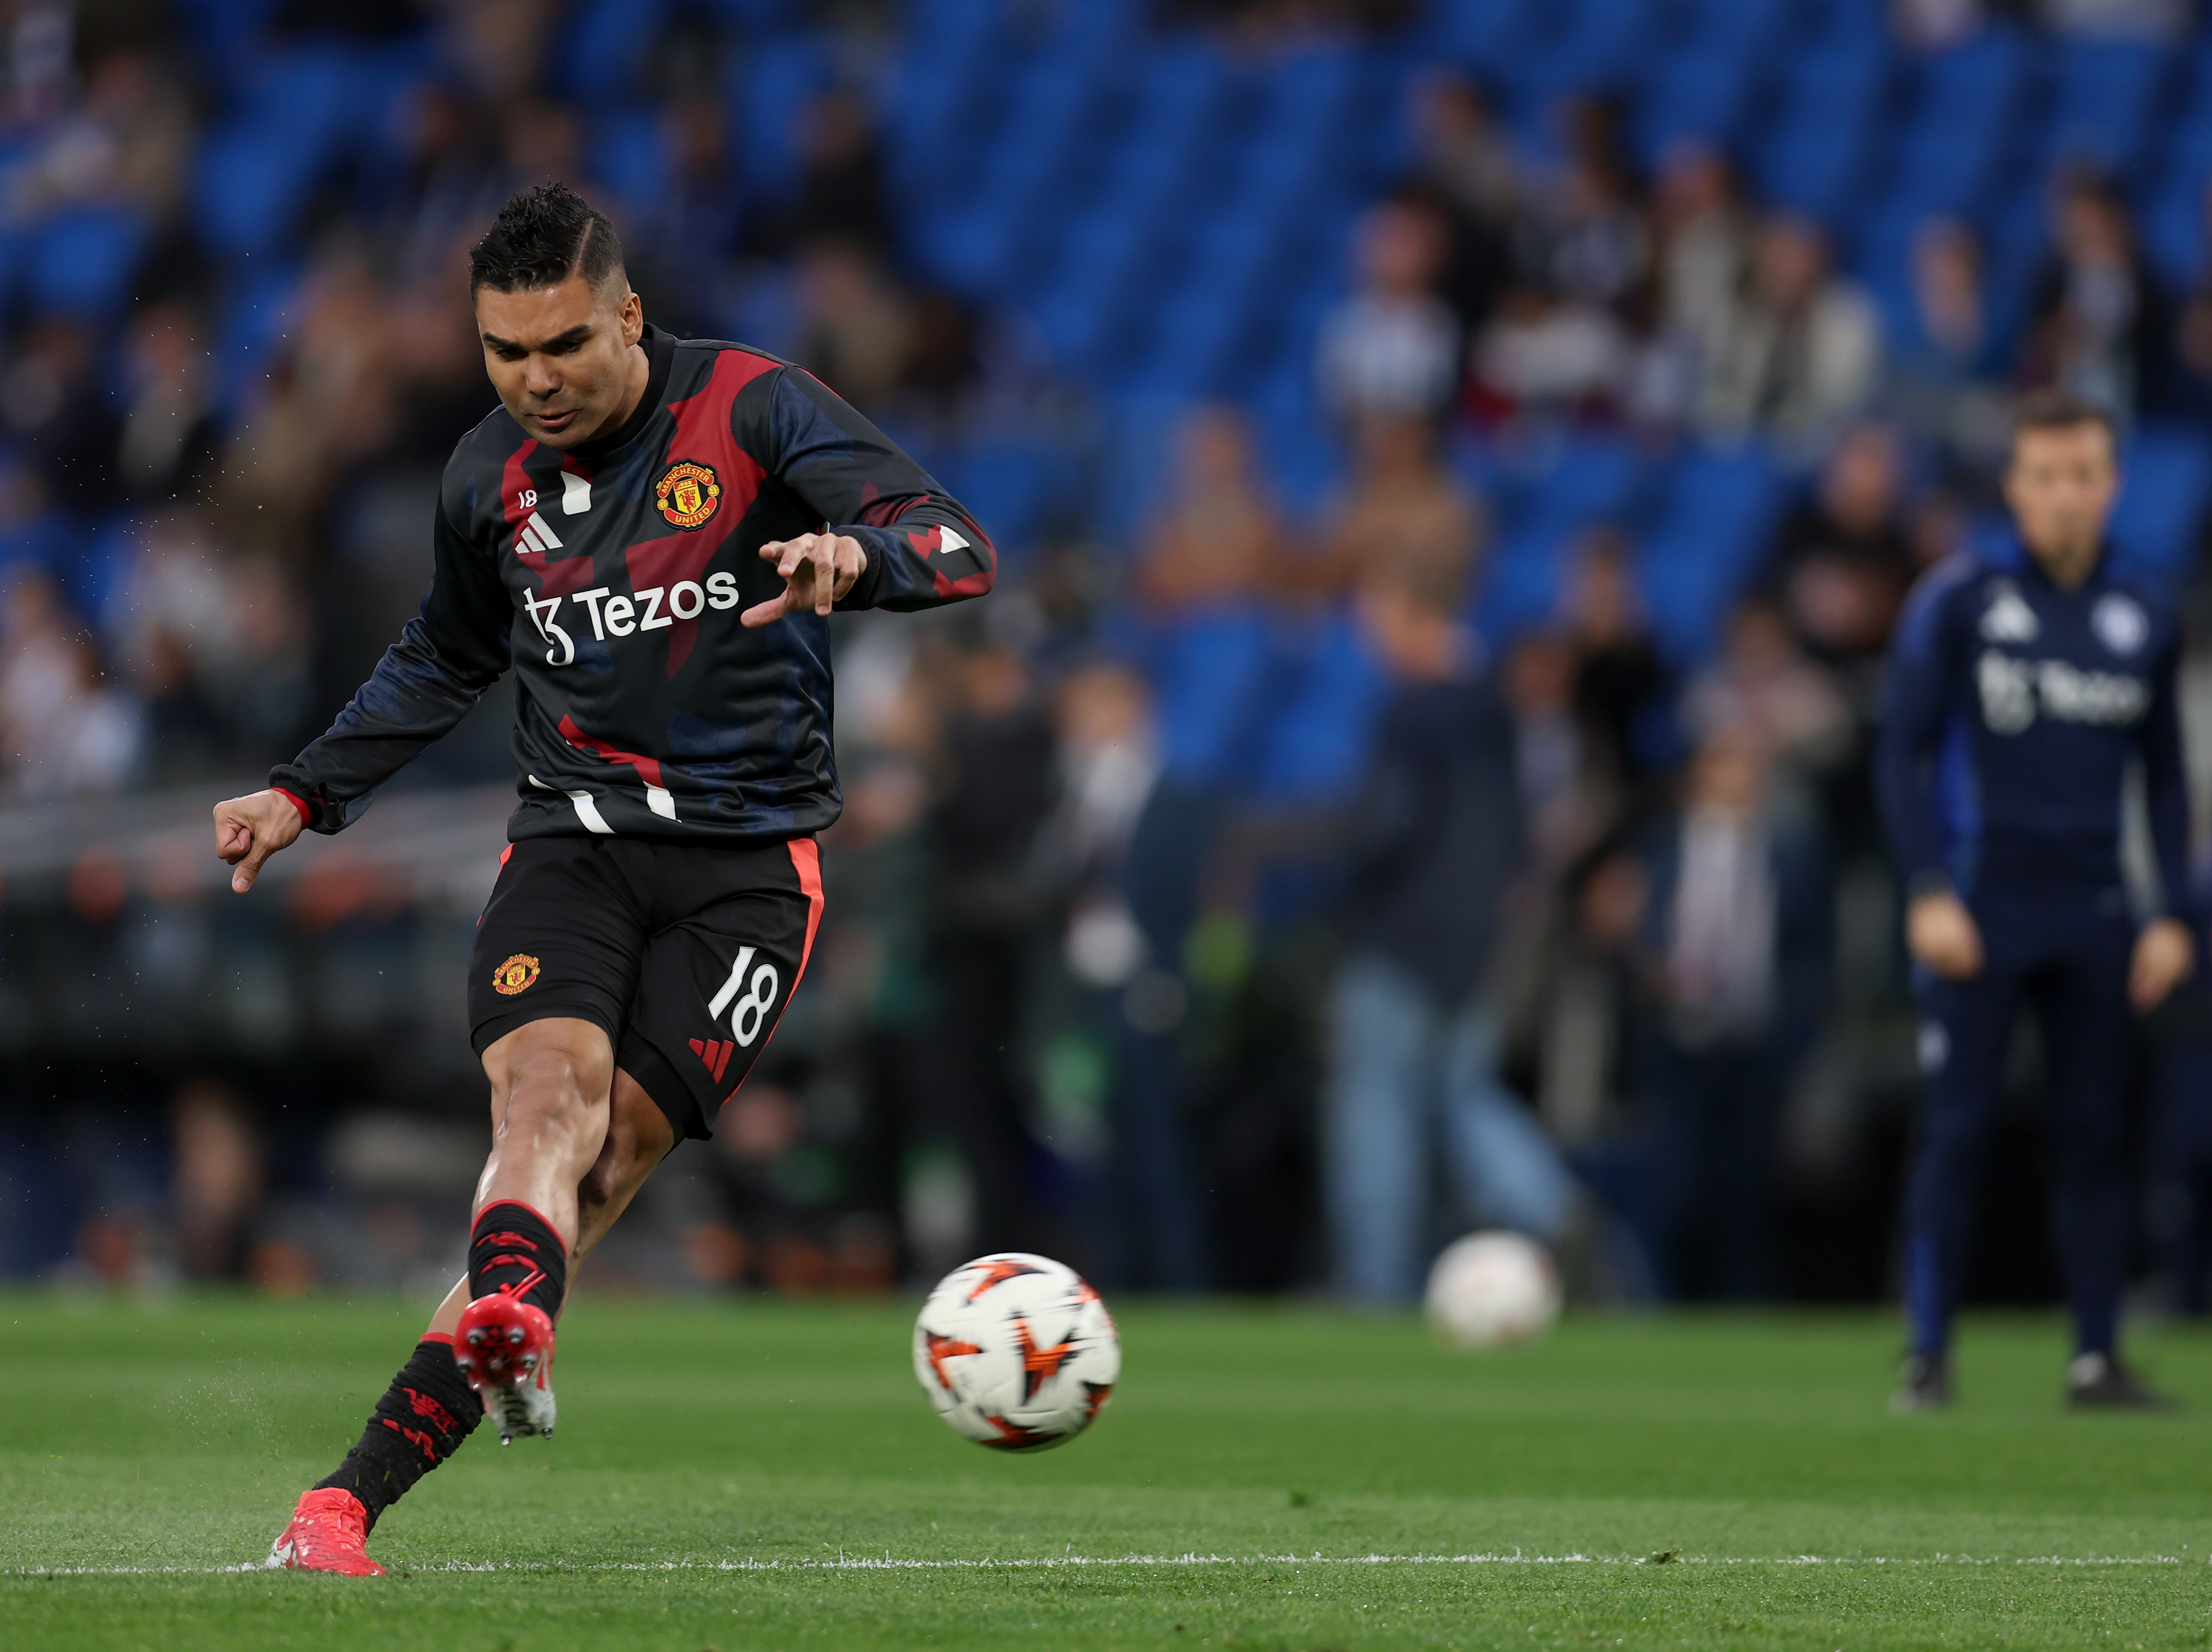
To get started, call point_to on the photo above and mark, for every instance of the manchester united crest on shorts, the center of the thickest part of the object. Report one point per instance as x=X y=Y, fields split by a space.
x=517 y=974
x=688 y=494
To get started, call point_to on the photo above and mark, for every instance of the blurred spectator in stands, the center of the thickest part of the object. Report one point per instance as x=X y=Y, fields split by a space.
x=1736 y=934
x=168 y=443
x=681 y=238
x=2102 y=320
x=1565 y=809
x=1705 y=241
x=1621 y=684
x=421 y=213
x=1845 y=557
x=1545 y=360
x=856 y=329
x=62 y=732
x=53 y=401
x=1393 y=346
x=1761 y=694
x=943 y=368
x=1582 y=236
x=1217 y=537
x=988 y=919
x=1413 y=1038
x=1946 y=373
x=1404 y=510
x=1932 y=25
x=129 y=143
x=1464 y=158
x=499 y=46
x=840 y=185
x=219 y=1178
x=173 y=623
x=541 y=140
x=328 y=402
x=1798 y=352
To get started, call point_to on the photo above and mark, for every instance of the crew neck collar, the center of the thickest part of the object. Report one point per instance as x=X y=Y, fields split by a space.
x=660 y=353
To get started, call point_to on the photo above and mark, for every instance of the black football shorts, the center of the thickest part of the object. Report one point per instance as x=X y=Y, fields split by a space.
x=686 y=955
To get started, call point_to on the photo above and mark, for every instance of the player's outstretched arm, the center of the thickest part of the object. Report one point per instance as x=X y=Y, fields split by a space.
x=911 y=544
x=251 y=828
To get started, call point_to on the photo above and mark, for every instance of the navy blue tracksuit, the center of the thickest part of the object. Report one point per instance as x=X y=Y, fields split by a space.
x=2013 y=710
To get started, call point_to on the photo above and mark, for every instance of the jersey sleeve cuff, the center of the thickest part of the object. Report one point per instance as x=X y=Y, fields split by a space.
x=307 y=815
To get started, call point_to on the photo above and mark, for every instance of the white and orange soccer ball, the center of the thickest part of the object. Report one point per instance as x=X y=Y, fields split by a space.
x=1016 y=1351
x=1493 y=1288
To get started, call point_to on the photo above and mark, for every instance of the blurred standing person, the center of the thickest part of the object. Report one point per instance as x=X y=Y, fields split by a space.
x=1798 y=353
x=1946 y=372
x=2102 y=326
x=986 y=920
x=1465 y=155
x=2023 y=686
x=1738 y=932
x=1414 y=1040
x=1621 y=690
x=1393 y=346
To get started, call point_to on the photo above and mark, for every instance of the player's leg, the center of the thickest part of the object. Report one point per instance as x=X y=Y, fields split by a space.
x=638 y=1138
x=428 y=1409
x=1382 y=1073
x=1507 y=1172
x=2081 y=1005
x=1964 y=1026
x=557 y=948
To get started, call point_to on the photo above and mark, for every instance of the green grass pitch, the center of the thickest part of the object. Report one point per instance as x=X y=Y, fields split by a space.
x=757 y=1475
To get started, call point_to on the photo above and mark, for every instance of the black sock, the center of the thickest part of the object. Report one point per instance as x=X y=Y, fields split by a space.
x=421 y=1421
x=514 y=1249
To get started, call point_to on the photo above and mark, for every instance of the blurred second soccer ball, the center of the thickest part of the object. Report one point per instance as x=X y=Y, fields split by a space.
x=1493 y=1288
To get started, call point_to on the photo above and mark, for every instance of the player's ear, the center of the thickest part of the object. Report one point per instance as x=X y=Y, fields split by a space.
x=632 y=315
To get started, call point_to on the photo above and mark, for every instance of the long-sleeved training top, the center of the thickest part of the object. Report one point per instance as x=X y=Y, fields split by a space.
x=610 y=578
x=2013 y=709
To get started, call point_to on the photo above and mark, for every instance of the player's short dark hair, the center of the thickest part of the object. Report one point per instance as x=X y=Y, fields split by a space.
x=2059 y=409
x=542 y=237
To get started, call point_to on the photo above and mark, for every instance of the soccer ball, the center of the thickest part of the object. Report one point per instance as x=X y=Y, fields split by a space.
x=1493 y=1288
x=1016 y=1351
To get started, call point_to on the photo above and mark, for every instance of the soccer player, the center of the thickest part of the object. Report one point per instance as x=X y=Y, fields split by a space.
x=2024 y=684
x=651 y=533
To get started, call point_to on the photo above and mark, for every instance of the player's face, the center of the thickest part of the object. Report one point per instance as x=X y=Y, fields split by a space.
x=560 y=356
x=2061 y=487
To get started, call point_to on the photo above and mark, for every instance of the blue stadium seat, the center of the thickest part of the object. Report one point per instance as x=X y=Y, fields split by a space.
x=1211 y=670
x=2110 y=97
x=1716 y=510
x=81 y=262
x=1319 y=729
x=2158 y=528
x=769 y=90
x=1828 y=114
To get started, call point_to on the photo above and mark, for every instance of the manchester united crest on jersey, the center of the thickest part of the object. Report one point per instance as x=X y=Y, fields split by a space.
x=688 y=494
x=517 y=973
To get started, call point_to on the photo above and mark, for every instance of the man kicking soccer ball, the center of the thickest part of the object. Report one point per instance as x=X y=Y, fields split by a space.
x=644 y=533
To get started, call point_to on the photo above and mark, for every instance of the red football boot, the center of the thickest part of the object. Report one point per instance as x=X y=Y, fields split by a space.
x=329 y=1533
x=504 y=1347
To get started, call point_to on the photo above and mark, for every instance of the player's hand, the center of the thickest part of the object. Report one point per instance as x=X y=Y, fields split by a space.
x=817 y=568
x=2165 y=956
x=1942 y=935
x=249 y=829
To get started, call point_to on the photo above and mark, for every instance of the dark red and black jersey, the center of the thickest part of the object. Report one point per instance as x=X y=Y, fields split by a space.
x=609 y=577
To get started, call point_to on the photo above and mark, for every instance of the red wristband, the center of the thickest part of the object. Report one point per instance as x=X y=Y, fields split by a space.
x=307 y=815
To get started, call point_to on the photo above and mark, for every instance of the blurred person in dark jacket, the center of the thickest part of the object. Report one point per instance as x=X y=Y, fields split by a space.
x=1414 y=1038
x=1735 y=940
x=986 y=922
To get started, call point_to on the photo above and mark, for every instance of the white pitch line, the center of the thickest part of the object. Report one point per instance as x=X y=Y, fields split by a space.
x=887 y=1563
